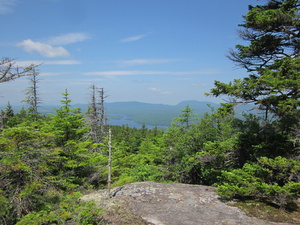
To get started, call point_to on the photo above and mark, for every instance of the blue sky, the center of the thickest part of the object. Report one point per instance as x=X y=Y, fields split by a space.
x=155 y=51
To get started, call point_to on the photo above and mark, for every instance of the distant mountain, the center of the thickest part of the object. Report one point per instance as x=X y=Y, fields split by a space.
x=154 y=114
x=137 y=113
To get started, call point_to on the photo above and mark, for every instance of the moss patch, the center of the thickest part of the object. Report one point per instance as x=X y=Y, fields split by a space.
x=270 y=212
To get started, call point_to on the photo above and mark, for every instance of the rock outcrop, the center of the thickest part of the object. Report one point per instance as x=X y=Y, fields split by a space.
x=168 y=204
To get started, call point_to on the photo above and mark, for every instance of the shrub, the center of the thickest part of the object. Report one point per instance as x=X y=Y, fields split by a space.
x=271 y=179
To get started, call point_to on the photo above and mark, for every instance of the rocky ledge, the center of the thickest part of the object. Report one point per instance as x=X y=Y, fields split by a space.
x=168 y=204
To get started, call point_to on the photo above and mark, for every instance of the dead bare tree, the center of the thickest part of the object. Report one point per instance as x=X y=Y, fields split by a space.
x=96 y=114
x=9 y=71
x=93 y=115
x=109 y=161
x=2 y=116
x=102 y=113
x=33 y=99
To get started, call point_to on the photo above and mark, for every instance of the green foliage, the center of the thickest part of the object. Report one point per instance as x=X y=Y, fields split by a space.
x=275 y=90
x=38 y=165
x=275 y=180
x=67 y=123
x=272 y=60
x=4 y=204
x=266 y=160
x=68 y=210
x=46 y=161
x=197 y=154
x=136 y=155
x=186 y=118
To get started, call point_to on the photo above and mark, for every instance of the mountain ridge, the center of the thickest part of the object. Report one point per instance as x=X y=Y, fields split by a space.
x=154 y=114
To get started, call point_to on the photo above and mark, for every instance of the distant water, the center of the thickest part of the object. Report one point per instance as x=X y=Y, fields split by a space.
x=125 y=121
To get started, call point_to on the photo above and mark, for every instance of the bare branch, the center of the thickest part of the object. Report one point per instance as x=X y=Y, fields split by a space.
x=8 y=70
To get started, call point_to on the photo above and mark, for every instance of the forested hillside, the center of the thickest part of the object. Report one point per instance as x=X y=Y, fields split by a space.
x=48 y=161
x=139 y=113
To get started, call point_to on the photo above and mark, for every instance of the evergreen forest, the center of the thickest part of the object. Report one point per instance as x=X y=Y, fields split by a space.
x=48 y=161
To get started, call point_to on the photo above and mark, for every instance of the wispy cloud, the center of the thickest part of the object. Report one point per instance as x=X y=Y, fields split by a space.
x=67 y=39
x=54 y=74
x=146 y=72
x=133 y=38
x=54 y=62
x=44 y=49
x=63 y=62
x=123 y=73
x=52 y=47
x=6 y=6
x=137 y=62
x=158 y=90
x=197 y=72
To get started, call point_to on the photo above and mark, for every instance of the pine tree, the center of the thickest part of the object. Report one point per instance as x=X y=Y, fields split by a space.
x=272 y=60
x=265 y=150
x=8 y=116
x=67 y=123
x=186 y=118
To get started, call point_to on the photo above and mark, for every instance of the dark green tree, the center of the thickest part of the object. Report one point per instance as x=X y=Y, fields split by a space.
x=271 y=58
x=37 y=182
x=9 y=112
x=186 y=118
x=75 y=162
x=9 y=117
x=68 y=123
x=273 y=63
x=267 y=147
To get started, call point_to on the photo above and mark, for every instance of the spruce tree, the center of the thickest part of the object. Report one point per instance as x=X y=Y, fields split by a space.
x=67 y=123
x=271 y=58
x=186 y=118
x=268 y=158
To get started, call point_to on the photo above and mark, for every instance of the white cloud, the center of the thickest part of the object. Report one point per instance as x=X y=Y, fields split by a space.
x=67 y=39
x=46 y=50
x=133 y=38
x=52 y=47
x=158 y=90
x=136 y=62
x=146 y=72
x=6 y=6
